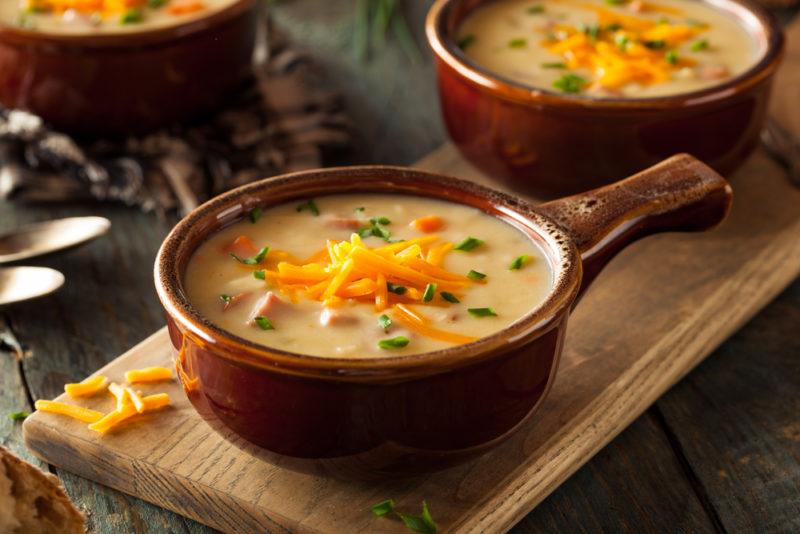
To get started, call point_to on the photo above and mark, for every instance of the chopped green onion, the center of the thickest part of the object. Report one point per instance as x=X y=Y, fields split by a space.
x=155 y=4
x=255 y=260
x=18 y=416
x=570 y=83
x=380 y=220
x=591 y=30
x=396 y=289
x=225 y=298
x=131 y=16
x=556 y=65
x=700 y=45
x=614 y=26
x=310 y=205
x=671 y=57
x=263 y=323
x=430 y=291
x=261 y=275
x=535 y=10
x=465 y=41
x=475 y=275
x=423 y=524
x=621 y=41
x=393 y=343
x=382 y=508
x=359 y=209
x=662 y=20
x=655 y=44
x=449 y=297
x=384 y=321
x=255 y=214
x=517 y=43
x=519 y=262
x=468 y=243
x=615 y=2
x=482 y=312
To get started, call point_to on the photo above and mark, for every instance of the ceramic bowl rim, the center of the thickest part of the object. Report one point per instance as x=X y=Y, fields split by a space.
x=446 y=50
x=367 y=178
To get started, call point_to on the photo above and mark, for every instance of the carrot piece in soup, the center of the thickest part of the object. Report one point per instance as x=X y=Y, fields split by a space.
x=428 y=224
x=184 y=7
x=242 y=246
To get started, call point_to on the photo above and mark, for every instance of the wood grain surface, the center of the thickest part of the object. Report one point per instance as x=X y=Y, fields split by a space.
x=718 y=452
x=650 y=318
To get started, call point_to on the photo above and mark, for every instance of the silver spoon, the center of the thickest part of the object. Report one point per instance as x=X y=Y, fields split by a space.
x=45 y=237
x=25 y=283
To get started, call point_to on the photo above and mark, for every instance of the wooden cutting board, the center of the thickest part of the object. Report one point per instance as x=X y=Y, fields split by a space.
x=684 y=294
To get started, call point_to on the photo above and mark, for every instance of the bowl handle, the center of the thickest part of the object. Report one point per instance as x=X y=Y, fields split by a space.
x=679 y=194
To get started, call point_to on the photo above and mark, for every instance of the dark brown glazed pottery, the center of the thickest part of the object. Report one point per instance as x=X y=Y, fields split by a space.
x=549 y=144
x=133 y=82
x=407 y=414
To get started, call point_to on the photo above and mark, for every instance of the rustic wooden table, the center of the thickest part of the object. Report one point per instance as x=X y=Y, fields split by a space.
x=719 y=452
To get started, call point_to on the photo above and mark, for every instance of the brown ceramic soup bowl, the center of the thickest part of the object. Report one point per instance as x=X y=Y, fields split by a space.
x=405 y=414
x=550 y=144
x=100 y=84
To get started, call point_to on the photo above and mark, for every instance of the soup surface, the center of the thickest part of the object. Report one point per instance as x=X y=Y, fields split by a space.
x=103 y=16
x=367 y=275
x=608 y=48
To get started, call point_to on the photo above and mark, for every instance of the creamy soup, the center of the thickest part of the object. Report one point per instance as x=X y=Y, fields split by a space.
x=104 y=16
x=608 y=48
x=367 y=275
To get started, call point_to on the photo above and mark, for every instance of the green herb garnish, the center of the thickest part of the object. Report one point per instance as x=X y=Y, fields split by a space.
x=449 y=297
x=465 y=41
x=132 y=16
x=482 y=312
x=255 y=214
x=261 y=275
x=225 y=298
x=519 y=262
x=310 y=205
x=671 y=57
x=614 y=26
x=535 y=10
x=475 y=275
x=396 y=289
x=616 y=2
x=423 y=523
x=359 y=209
x=655 y=45
x=384 y=321
x=556 y=65
x=591 y=30
x=468 y=243
x=18 y=416
x=430 y=291
x=155 y=4
x=570 y=83
x=700 y=45
x=255 y=260
x=517 y=43
x=662 y=20
x=621 y=41
x=382 y=508
x=375 y=228
x=393 y=343
x=263 y=323
x=380 y=220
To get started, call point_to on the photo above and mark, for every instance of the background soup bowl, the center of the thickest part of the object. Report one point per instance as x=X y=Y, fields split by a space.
x=547 y=143
x=405 y=414
x=131 y=82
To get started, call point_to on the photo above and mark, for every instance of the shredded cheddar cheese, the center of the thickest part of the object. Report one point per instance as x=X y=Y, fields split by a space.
x=76 y=412
x=148 y=374
x=112 y=419
x=86 y=388
x=623 y=49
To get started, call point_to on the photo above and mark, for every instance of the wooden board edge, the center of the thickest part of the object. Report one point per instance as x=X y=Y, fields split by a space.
x=613 y=410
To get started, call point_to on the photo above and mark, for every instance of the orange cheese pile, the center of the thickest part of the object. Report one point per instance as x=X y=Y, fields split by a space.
x=617 y=50
x=128 y=402
x=110 y=7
